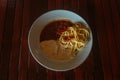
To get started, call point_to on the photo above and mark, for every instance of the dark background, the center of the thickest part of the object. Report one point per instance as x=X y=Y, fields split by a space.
x=16 y=17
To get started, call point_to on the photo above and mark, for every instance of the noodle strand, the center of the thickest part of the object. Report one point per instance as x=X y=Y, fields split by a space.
x=80 y=35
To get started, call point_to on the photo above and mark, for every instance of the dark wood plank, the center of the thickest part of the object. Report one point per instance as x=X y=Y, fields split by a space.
x=51 y=5
x=66 y=4
x=74 y=5
x=96 y=68
x=114 y=37
x=115 y=14
x=60 y=76
x=59 y=4
x=35 y=71
x=117 y=4
x=37 y=8
x=32 y=72
x=3 y=4
x=111 y=45
x=24 y=51
x=69 y=75
x=41 y=73
x=82 y=9
x=103 y=21
x=79 y=72
x=14 y=56
x=7 y=40
x=51 y=75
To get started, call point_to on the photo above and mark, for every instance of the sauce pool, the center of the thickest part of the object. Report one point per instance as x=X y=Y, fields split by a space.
x=52 y=30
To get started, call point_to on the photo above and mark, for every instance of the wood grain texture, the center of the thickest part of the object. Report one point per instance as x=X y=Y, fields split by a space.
x=16 y=18
x=3 y=4
x=24 y=52
x=16 y=39
x=7 y=40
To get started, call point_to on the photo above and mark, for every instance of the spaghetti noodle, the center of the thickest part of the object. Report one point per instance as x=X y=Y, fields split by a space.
x=75 y=37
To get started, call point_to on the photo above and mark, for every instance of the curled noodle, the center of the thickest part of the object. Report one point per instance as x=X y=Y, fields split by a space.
x=75 y=37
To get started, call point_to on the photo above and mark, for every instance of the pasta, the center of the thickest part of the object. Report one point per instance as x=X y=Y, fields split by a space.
x=75 y=37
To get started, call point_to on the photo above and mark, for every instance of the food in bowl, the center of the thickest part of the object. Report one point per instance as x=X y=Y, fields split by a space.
x=62 y=39
x=37 y=38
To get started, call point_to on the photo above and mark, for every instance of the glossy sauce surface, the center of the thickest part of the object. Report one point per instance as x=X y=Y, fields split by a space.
x=50 y=31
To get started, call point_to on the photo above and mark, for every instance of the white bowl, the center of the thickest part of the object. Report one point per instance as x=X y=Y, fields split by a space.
x=34 y=44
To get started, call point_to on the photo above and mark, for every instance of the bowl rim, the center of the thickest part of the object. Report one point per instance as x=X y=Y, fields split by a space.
x=31 y=52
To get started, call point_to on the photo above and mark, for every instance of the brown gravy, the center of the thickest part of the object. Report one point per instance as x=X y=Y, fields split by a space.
x=50 y=30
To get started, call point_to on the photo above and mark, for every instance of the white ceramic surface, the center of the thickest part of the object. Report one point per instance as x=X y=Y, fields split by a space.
x=34 y=45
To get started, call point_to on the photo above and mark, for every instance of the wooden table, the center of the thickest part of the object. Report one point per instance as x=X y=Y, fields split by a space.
x=16 y=17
